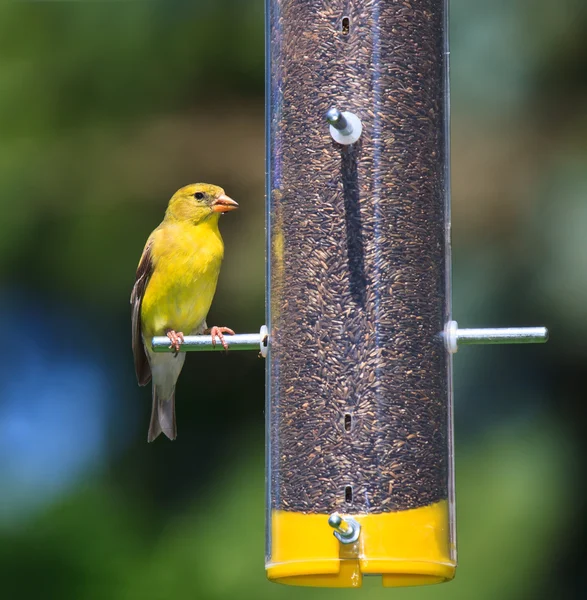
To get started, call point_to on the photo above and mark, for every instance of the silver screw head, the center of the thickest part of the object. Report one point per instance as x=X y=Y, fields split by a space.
x=346 y=530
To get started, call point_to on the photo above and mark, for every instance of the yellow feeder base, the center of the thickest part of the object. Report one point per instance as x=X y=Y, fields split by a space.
x=410 y=547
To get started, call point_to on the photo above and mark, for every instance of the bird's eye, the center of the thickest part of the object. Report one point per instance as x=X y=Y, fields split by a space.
x=198 y=195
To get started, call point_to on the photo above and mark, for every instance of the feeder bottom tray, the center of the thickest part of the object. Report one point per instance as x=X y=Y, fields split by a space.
x=406 y=548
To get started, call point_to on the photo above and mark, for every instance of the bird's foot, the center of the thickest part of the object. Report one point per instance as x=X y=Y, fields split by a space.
x=216 y=332
x=176 y=339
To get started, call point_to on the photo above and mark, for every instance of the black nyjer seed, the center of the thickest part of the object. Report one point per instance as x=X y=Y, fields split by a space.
x=359 y=400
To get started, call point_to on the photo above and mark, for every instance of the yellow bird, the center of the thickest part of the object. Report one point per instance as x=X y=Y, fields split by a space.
x=175 y=283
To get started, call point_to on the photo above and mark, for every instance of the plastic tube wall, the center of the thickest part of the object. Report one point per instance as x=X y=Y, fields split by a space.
x=359 y=403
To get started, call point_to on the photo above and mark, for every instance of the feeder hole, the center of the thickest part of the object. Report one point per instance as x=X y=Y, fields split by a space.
x=347 y=422
x=348 y=494
x=346 y=26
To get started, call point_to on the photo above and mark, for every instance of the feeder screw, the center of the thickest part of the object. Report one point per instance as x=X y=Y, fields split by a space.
x=346 y=530
x=345 y=127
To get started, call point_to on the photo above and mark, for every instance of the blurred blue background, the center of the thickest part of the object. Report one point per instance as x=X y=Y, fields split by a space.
x=106 y=108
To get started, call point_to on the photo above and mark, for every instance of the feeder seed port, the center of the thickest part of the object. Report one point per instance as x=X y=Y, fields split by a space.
x=453 y=337
x=346 y=530
x=345 y=127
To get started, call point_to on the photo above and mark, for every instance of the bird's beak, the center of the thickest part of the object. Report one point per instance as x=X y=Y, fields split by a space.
x=223 y=204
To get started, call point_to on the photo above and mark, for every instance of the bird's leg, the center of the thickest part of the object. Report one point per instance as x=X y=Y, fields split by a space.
x=216 y=332
x=176 y=339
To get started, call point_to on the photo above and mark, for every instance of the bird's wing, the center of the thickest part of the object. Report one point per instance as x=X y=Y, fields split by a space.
x=144 y=270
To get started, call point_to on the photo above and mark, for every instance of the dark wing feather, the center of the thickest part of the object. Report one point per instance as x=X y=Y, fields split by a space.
x=144 y=270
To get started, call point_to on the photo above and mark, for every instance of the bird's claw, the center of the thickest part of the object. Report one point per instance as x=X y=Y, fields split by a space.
x=176 y=338
x=216 y=332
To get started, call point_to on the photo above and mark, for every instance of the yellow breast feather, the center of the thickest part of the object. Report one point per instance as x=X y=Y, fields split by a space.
x=186 y=264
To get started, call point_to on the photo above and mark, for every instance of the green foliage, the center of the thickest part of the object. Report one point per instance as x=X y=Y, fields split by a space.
x=106 y=108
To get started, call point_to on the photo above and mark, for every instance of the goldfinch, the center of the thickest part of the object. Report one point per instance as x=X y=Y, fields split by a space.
x=175 y=284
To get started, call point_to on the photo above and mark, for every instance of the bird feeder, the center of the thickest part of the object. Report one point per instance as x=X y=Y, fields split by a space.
x=359 y=394
x=360 y=333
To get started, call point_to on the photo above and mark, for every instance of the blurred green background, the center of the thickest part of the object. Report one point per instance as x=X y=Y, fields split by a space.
x=106 y=108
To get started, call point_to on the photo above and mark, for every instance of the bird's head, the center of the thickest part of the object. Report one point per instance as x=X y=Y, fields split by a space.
x=198 y=202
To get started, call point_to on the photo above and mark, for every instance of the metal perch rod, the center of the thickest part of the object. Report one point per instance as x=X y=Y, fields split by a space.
x=455 y=336
x=492 y=335
x=506 y=335
x=198 y=343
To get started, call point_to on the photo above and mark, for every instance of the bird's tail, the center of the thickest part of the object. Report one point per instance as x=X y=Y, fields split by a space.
x=163 y=413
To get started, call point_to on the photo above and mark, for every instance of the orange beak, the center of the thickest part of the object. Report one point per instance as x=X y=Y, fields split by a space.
x=223 y=204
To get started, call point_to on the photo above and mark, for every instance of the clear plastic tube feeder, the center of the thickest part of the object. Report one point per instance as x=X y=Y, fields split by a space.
x=359 y=410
